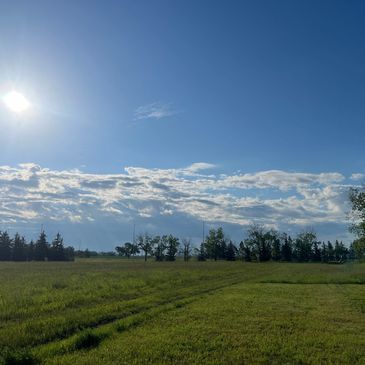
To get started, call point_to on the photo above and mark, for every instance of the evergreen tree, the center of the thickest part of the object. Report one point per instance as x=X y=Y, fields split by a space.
x=41 y=248
x=57 y=250
x=340 y=251
x=276 y=248
x=287 y=249
x=316 y=252
x=330 y=251
x=201 y=254
x=211 y=245
x=19 y=248
x=5 y=246
x=30 y=251
x=324 y=252
x=221 y=248
x=231 y=251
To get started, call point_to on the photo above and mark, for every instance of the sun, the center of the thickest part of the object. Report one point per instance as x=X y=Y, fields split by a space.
x=16 y=102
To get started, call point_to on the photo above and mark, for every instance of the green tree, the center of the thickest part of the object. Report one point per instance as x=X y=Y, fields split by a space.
x=316 y=252
x=211 y=245
x=287 y=248
x=30 y=251
x=5 y=246
x=57 y=249
x=159 y=247
x=259 y=241
x=330 y=252
x=201 y=254
x=303 y=245
x=145 y=244
x=275 y=247
x=358 y=247
x=231 y=252
x=127 y=250
x=340 y=251
x=19 y=248
x=41 y=248
x=357 y=200
x=172 y=248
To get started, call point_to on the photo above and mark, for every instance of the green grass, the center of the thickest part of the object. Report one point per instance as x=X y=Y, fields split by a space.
x=131 y=312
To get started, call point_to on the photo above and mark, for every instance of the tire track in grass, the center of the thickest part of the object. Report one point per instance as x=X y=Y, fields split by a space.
x=106 y=328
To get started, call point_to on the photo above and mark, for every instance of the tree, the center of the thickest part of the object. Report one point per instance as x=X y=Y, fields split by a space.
x=357 y=200
x=19 y=248
x=259 y=242
x=316 y=252
x=127 y=250
x=287 y=248
x=145 y=244
x=358 y=247
x=324 y=252
x=30 y=251
x=57 y=250
x=41 y=248
x=159 y=247
x=201 y=253
x=330 y=252
x=275 y=247
x=231 y=252
x=5 y=246
x=186 y=250
x=211 y=245
x=340 y=251
x=172 y=247
x=303 y=245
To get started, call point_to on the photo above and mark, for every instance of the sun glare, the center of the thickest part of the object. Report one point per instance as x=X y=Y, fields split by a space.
x=16 y=102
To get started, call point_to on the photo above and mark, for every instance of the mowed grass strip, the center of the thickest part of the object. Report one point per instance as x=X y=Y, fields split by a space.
x=244 y=324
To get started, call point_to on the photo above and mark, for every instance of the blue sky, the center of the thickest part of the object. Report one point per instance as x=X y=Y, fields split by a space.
x=252 y=90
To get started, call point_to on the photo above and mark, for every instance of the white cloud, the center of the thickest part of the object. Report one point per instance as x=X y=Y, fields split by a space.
x=155 y=110
x=198 y=166
x=32 y=194
x=357 y=176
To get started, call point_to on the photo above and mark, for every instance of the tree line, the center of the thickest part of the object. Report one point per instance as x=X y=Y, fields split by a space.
x=162 y=248
x=17 y=249
x=260 y=245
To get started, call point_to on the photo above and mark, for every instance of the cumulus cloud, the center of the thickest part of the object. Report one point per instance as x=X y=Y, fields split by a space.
x=155 y=110
x=357 y=176
x=281 y=199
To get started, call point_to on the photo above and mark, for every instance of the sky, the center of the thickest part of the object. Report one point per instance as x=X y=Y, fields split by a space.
x=165 y=114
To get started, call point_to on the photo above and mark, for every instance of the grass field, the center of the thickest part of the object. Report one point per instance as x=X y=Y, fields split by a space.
x=130 y=312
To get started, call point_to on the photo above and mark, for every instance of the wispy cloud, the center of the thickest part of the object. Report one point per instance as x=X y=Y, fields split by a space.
x=280 y=199
x=155 y=110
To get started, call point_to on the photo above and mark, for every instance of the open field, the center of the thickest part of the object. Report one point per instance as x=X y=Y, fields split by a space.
x=130 y=312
